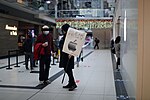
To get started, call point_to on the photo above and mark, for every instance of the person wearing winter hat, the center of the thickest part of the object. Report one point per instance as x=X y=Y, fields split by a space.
x=45 y=40
x=66 y=60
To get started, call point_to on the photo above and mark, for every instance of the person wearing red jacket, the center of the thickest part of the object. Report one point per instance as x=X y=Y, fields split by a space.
x=46 y=41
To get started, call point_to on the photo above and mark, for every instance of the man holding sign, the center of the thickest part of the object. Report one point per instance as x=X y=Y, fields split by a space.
x=70 y=46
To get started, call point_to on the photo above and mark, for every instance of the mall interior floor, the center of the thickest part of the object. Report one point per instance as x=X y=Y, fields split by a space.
x=94 y=78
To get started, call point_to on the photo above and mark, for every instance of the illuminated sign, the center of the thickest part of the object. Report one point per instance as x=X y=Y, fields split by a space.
x=91 y=24
x=13 y=33
x=14 y=28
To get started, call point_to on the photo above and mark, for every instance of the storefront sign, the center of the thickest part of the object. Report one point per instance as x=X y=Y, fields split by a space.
x=14 y=28
x=13 y=33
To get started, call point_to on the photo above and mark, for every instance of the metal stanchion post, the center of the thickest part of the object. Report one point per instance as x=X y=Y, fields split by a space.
x=78 y=60
x=8 y=61
x=53 y=61
x=17 y=59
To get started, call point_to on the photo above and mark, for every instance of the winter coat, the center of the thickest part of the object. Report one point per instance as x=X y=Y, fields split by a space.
x=46 y=38
x=64 y=57
x=27 y=46
x=117 y=50
x=38 y=51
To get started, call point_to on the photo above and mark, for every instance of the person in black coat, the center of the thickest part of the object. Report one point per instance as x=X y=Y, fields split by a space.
x=27 y=46
x=66 y=60
x=96 y=43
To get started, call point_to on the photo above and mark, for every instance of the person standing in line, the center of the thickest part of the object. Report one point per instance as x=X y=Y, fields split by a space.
x=34 y=61
x=117 y=50
x=66 y=60
x=45 y=40
x=27 y=47
x=112 y=47
x=96 y=43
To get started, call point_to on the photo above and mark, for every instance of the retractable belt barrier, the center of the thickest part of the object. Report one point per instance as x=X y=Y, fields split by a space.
x=9 y=55
x=81 y=58
x=53 y=59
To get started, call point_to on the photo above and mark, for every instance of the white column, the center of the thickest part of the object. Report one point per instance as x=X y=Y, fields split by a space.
x=56 y=10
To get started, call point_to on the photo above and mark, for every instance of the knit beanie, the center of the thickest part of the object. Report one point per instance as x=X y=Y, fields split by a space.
x=65 y=27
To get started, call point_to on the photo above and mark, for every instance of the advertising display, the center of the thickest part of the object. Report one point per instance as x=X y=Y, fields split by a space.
x=74 y=41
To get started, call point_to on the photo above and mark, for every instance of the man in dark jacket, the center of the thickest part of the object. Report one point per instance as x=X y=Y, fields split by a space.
x=46 y=41
x=96 y=43
x=27 y=46
x=67 y=61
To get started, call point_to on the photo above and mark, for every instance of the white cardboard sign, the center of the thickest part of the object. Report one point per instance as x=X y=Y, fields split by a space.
x=74 y=41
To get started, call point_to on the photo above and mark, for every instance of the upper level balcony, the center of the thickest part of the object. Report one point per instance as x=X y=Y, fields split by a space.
x=52 y=10
x=84 y=13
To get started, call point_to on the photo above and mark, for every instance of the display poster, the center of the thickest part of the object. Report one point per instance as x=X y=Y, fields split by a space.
x=74 y=41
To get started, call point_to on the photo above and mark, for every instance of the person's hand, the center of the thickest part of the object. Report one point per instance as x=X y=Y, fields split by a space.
x=45 y=44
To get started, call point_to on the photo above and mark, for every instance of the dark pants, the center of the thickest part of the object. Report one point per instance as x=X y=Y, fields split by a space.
x=71 y=77
x=27 y=57
x=96 y=45
x=79 y=58
x=118 y=62
x=44 y=67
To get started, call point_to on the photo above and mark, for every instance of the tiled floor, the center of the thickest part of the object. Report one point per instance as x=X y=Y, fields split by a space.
x=94 y=78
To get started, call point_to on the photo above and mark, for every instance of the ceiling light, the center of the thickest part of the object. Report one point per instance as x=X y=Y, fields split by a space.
x=48 y=2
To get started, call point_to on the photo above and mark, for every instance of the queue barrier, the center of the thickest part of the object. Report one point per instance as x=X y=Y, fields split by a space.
x=53 y=59
x=9 y=55
x=81 y=58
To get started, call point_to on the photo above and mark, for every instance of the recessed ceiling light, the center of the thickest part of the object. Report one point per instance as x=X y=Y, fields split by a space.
x=48 y=2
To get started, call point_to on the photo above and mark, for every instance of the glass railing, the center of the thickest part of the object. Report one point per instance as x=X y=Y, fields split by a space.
x=41 y=7
x=84 y=13
x=36 y=6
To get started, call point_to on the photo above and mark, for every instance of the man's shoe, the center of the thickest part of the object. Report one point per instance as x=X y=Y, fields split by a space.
x=27 y=68
x=73 y=87
x=41 y=82
x=32 y=69
x=67 y=86
x=47 y=82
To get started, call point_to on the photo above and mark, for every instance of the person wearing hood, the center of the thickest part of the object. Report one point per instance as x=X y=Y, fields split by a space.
x=67 y=61
x=45 y=40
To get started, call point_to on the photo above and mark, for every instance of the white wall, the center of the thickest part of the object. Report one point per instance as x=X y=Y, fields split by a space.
x=128 y=10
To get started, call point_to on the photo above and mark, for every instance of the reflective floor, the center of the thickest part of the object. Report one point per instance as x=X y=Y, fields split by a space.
x=94 y=78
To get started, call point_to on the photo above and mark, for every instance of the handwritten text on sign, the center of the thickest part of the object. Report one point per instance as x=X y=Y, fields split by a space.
x=74 y=41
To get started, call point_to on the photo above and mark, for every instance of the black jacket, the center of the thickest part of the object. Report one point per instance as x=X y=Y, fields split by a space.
x=64 y=57
x=27 y=46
